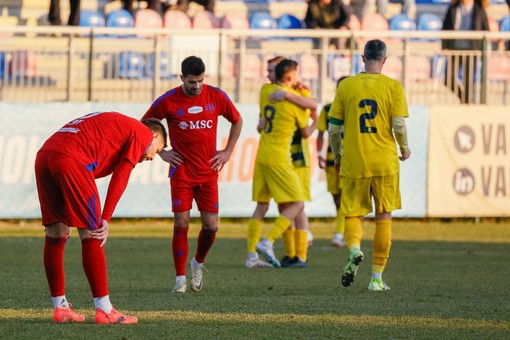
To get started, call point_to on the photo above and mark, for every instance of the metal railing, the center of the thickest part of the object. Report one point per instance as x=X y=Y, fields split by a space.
x=40 y=64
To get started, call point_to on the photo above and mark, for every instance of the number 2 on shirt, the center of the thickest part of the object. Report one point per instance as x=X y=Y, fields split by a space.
x=363 y=128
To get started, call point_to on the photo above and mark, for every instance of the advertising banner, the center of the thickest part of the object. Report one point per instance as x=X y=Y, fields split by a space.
x=25 y=126
x=469 y=161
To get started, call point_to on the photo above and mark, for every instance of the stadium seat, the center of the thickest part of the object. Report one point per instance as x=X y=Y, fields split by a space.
x=91 y=18
x=429 y=22
x=374 y=22
x=289 y=21
x=394 y=68
x=176 y=19
x=131 y=65
x=120 y=18
x=494 y=27
x=354 y=23
x=235 y=20
x=308 y=67
x=148 y=18
x=23 y=64
x=205 y=20
x=499 y=68
x=262 y=20
x=504 y=25
x=164 y=66
x=3 y=65
x=402 y=22
x=419 y=68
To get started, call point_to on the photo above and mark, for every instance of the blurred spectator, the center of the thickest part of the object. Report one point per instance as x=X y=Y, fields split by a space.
x=327 y=14
x=183 y=5
x=362 y=7
x=151 y=4
x=463 y=15
x=74 y=13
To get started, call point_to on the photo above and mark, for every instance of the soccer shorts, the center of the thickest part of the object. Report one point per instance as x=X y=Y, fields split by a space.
x=205 y=195
x=67 y=191
x=278 y=181
x=332 y=180
x=304 y=178
x=357 y=194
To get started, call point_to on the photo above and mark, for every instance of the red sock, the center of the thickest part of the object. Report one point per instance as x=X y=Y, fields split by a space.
x=54 y=264
x=94 y=265
x=205 y=241
x=180 y=250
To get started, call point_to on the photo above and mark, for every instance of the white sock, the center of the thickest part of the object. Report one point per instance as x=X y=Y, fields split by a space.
x=195 y=263
x=60 y=302
x=104 y=303
x=376 y=275
x=180 y=278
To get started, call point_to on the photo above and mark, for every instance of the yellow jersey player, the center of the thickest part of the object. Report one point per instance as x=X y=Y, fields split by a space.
x=372 y=107
x=274 y=174
x=332 y=179
x=303 y=99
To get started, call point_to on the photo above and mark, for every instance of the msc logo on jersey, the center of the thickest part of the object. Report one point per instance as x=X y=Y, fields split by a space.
x=195 y=109
x=196 y=125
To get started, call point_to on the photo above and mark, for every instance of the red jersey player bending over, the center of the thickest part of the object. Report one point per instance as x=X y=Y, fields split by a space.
x=66 y=166
x=191 y=111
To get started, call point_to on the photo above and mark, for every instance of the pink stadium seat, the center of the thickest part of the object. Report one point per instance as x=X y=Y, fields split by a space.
x=499 y=68
x=23 y=64
x=374 y=22
x=148 y=18
x=176 y=19
x=308 y=67
x=235 y=21
x=354 y=23
x=420 y=68
x=205 y=20
x=252 y=68
x=393 y=68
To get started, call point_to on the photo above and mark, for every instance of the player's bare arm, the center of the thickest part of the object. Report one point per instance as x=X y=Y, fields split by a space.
x=320 y=144
x=301 y=101
x=400 y=131
x=309 y=130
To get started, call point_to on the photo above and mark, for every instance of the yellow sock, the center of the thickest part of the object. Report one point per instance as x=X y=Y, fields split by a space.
x=280 y=225
x=382 y=243
x=340 y=223
x=302 y=245
x=289 y=242
x=254 y=229
x=353 y=232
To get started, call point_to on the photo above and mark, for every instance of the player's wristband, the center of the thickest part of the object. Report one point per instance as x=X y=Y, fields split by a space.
x=319 y=154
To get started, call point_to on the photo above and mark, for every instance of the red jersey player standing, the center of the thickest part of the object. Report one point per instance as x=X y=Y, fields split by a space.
x=66 y=166
x=191 y=111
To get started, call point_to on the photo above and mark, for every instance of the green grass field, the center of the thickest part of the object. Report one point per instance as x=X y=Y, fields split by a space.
x=449 y=280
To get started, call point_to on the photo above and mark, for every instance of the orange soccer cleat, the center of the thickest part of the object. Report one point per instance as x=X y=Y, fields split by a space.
x=113 y=318
x=62 y=315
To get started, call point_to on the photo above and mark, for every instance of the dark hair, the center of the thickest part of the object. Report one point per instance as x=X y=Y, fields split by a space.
x=276 y=59
x=284 y=67
x=375 y=50
x=192 y=66
x=156 y=127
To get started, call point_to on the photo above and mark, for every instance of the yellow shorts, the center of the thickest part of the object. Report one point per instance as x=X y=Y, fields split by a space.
x=280 y=182
x=332 y=180
x=304 y=178
x=357 y=194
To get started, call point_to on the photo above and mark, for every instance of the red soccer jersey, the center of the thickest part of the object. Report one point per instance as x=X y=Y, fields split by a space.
x=100 y=140
x=192 y=128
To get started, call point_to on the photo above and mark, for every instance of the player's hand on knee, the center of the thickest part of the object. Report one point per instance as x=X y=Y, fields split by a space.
x=101 y=233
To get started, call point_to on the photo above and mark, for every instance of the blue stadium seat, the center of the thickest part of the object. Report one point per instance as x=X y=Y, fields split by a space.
x=120 y=18
x=262 y=20
x=131 y=65
x=504 y=24
x=402 y=22
x=429 y=22
x=3 y=65
x=91 y=18
x=164 y=66
x=289 y=21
